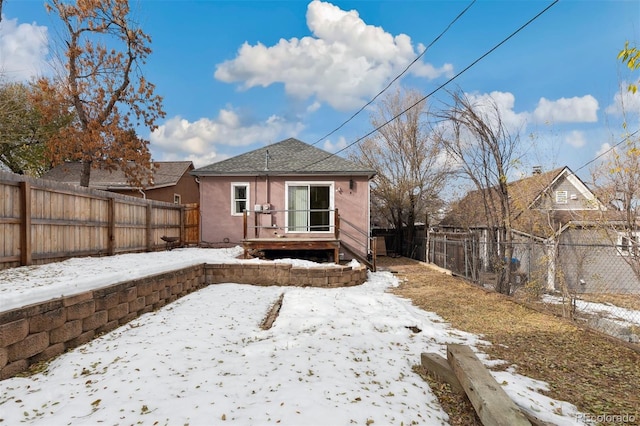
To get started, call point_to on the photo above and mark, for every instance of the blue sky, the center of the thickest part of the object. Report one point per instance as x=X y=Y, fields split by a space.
x=237 y=75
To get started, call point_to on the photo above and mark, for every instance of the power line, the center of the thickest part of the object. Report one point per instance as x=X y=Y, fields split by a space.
x=439 y=87
x=399 y=75
x=623 y=140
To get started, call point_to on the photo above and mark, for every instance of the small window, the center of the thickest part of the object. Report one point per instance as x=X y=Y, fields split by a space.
x=239 y=198
x=628 y=244
x=561 y=197
x=177 y=199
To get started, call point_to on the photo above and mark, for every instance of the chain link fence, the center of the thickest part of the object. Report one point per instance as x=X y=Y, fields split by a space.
x=589 y=282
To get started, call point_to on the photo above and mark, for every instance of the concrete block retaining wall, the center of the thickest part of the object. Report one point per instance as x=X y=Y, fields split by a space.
x=42 y=331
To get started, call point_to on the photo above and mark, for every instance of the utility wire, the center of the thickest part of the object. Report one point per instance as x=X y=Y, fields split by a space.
x=399 y=75
x=439 y=87
x=623 y=140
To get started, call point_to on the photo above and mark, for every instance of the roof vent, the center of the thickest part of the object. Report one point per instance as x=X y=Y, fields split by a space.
x=537 y=170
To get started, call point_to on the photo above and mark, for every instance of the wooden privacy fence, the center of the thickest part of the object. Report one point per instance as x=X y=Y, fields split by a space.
x=43 y=221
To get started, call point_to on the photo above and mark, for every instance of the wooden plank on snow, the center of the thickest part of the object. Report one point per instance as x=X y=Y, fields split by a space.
x=493 y=405
x=438 y=366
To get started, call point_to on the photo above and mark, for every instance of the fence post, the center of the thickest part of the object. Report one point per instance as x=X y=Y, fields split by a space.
x=445 y=253
x=255 y=224
x=111 y=232
x=25 y=220
x=244 y=224
x=149 y=227
x=183 y=223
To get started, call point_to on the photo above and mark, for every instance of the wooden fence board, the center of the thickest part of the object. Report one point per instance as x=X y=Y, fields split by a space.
x=54 y=220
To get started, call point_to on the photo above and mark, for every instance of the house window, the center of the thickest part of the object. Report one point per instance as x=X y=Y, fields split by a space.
x=309 y=207
x=562 y=197
x=628 y=243
x=239 y=198
x=177 y=199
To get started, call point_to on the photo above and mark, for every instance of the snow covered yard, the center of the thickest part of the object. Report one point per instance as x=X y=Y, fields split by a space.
x=333 y=356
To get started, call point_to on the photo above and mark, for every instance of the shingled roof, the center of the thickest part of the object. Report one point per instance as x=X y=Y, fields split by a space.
x=165 y=173
x=526 y=197
x=287 y=157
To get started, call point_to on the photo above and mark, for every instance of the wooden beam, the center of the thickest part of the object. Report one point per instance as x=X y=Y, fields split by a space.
x=438 y=366
x=25 y=220
x=441 y=370
x=493 y=405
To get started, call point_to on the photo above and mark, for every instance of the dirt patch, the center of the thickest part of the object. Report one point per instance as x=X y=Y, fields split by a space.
x=597 y=374
x=272 y=314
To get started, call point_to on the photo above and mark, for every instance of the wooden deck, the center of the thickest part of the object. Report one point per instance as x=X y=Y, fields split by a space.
x=293 y=244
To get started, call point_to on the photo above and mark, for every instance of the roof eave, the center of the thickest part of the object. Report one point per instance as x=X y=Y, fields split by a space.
x=369 y=174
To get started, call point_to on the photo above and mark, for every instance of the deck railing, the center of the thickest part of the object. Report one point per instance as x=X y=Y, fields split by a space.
x=280 y=216
x=352 y=237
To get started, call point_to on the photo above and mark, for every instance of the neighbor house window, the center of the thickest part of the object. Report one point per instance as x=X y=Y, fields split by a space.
x=628 y=243
x=309 y=207
x=177 y=199
x=562 y=197
x=239 y=198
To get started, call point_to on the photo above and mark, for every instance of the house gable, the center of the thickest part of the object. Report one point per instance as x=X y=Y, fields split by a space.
x=558 y=196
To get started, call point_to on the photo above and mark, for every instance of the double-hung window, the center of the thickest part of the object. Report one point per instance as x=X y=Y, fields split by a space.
x=239 y=198
x=628 y=243
x=309 y=207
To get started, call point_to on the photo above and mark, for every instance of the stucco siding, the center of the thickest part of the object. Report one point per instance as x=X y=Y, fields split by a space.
x=220 y=227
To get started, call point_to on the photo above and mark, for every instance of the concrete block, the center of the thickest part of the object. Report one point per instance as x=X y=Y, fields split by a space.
x=118 y=312
x=28 y=347
x=13 y=332
x=69 y=330
x=94 y=321
x=81 y=310
x=47 y=320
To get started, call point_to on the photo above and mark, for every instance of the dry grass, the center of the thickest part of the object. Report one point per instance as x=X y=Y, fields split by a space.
x=595 y=373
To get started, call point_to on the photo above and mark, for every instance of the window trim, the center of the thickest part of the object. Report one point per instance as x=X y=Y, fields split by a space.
x=628 y=248
x=562 y=197
x=308 y=184
x=235 y=185
x=177 y=199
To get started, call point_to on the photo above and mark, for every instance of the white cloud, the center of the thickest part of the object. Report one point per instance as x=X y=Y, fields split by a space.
x=576 y=139
x=605 y=149
x=567 y=110
x=505 y=103
x=329 y=146
x=23 y=50
x=202 y=141
x=345 y=63
x=625 y=102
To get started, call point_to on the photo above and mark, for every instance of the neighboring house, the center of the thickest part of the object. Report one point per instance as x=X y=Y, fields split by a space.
x=287 y=196
x=171 y=181
x=560 y=231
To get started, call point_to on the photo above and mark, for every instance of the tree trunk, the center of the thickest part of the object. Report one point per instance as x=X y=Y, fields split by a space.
x=399 y=231
x=85 y=176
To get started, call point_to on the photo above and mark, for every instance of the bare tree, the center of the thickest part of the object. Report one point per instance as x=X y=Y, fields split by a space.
x=410 y=165
x=618 y=186
x=105 y=89
x=484 y=151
